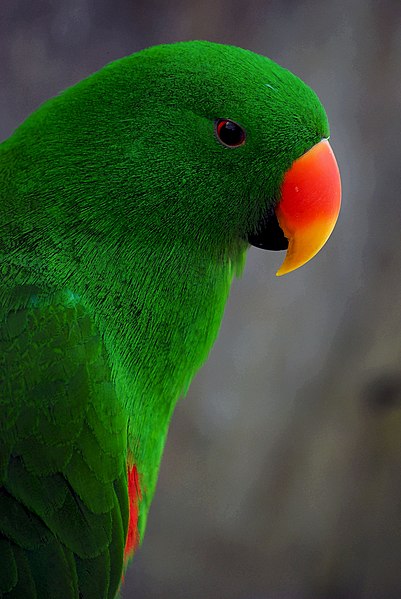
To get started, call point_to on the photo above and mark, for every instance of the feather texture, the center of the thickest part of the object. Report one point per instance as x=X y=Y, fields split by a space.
x=62 y=523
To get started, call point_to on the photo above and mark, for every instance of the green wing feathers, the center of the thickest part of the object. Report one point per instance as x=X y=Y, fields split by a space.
x=63 y=452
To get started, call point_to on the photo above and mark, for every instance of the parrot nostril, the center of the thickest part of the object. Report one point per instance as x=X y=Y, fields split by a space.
x=269 y=235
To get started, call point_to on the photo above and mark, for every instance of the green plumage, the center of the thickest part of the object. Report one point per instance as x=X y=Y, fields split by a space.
x=123 y=221
x=63 y=455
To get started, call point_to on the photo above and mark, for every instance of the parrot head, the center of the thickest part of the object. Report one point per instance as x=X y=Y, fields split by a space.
x=210 y=145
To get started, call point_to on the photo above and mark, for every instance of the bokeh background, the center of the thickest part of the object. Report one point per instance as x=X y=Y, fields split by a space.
x=281 y=475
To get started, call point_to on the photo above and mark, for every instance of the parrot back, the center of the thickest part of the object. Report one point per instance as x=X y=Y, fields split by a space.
x=63 y=458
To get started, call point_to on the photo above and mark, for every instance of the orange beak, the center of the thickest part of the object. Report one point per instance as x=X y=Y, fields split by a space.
x=309 y=205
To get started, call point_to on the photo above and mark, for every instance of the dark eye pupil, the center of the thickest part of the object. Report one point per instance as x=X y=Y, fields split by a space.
x=230 y=133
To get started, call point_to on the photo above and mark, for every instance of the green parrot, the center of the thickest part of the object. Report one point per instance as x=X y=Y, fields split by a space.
x=127 y=205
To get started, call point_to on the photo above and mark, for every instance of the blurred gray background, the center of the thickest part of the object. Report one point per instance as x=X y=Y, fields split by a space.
x=281 y=475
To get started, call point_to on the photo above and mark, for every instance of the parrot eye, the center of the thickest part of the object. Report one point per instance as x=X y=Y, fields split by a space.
x=229 y=133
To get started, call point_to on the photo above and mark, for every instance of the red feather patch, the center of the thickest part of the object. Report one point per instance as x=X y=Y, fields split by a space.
x=134 y=496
